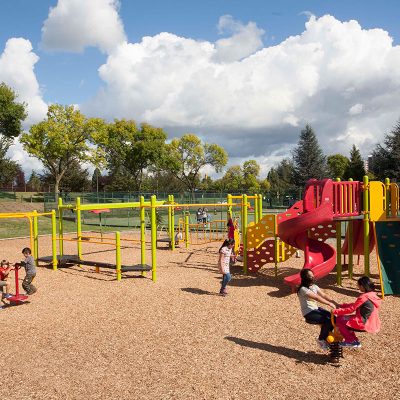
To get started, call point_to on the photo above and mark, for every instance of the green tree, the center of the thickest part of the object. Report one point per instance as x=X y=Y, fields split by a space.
x=385 y=160
x=96 y=179
x=186 y=156
x=251 y=171
x=232 y=181
x=308 y=159
x=9 y=171
x=34 y=183
x=62 y=139
x=265 y=185
x=337 y=165
x=355 y=168
x=11 y=116
x=130 y=151
x=75 y=179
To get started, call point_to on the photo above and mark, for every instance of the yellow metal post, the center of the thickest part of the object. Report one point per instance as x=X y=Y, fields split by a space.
x=187 y=230
x=260 y=209
x=54 y=238
x=153 y=238
x=142 y=233
x=118 y=255
x=172 y=231
x=60 y=227
x=35 y=237
x=366 y=224
x=256 y=217
x=229 y=208
x=78 y=226
x=169 y=217
x=244 y=232
x=388 y=197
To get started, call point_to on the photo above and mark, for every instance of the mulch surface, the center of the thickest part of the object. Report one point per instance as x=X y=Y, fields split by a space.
x=84 y=335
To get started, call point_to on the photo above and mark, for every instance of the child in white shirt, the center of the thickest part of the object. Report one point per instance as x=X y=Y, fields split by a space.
x=225 y=254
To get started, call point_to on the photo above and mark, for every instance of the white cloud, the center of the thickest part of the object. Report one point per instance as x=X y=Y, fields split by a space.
x=244 y=40
x=75 y=24
x=342 y=79
x=17 y=64
x=356 y=109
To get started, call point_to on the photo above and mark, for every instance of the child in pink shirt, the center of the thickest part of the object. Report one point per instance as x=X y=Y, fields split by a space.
x=366 y=317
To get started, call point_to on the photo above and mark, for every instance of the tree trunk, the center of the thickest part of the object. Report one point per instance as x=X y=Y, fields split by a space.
x=56 y=188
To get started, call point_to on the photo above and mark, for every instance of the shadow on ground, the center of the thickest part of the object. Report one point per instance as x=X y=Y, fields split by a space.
x=299 y=356
x=199 y=291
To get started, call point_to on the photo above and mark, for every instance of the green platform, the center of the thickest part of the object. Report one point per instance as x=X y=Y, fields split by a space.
x=388 y=241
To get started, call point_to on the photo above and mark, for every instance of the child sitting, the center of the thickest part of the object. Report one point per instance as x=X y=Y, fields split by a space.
x=366 y=317
x=4 y=271
x=30 y=270
x=310 y=295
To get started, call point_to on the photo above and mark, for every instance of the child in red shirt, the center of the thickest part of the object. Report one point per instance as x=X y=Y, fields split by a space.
x=366 y=317
x=4 y=283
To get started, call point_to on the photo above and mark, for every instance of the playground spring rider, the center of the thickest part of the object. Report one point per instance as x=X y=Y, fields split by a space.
x=334 y=339
x=17 y=298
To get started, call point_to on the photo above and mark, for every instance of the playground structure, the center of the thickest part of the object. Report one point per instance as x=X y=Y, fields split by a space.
x=191 y=234
x=310 y=222
x=369 y=209
x=32 y=218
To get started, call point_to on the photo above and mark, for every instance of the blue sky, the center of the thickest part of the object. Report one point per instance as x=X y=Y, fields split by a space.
x=197 y=77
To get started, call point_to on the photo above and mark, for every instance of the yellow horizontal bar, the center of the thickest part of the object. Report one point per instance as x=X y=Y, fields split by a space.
x=199 y=205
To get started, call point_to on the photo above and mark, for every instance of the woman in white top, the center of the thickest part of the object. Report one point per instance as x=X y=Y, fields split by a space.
x=225 y=254
x=309 y=295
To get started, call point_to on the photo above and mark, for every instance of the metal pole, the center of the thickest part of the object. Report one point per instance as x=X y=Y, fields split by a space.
x=54 y=238
x=60 y=227
x=142 y=233
x=244 y=232
x=35 y=237
x=153 y=238
x=118 y=255
x=366 y=224
x=79 y=226
x=172 y=224
x=187 y=230
x=338 y=253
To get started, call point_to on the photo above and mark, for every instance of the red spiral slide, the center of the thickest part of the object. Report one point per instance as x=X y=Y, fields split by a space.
x=315 y=209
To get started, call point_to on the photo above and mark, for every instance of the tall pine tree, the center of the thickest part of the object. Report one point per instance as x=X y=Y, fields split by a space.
x=308 y=159
x=355 y=168
x=385 y=162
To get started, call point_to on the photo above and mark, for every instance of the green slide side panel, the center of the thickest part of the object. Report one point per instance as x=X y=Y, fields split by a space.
x=388 y=238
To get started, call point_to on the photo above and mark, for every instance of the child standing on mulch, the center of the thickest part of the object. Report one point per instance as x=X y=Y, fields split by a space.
x=366 y=317
x=30 y=269
x=225 y=254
